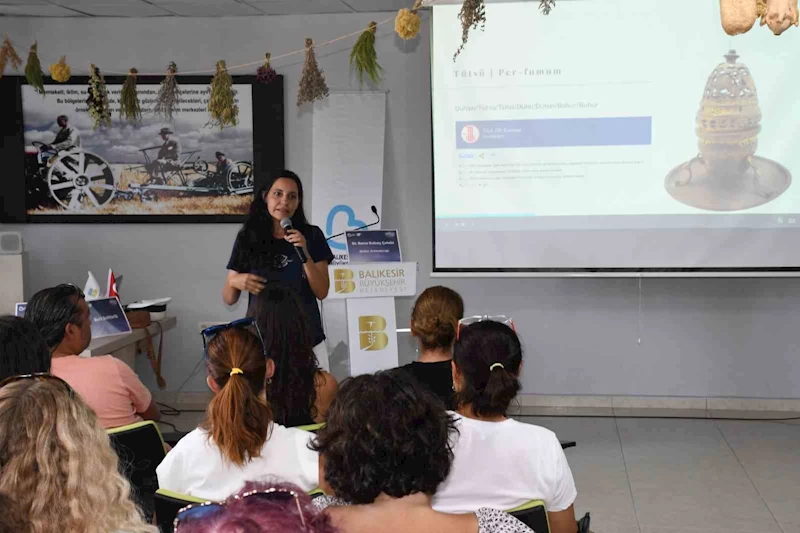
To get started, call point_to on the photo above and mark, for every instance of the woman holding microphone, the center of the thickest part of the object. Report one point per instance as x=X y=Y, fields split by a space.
x=277 y=245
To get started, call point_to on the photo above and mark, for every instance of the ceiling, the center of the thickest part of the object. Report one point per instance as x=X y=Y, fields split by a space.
x=190 y=8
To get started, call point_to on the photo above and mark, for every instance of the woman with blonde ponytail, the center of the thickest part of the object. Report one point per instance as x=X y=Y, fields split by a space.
x=238 y=441
x=499 y=462
x=57 y=461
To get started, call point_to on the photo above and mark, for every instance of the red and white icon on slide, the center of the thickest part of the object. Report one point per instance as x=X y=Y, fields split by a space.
x=470 y=134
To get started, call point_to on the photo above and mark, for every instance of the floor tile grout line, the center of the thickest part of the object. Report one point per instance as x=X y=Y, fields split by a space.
x=746 y=473
x=627 y=476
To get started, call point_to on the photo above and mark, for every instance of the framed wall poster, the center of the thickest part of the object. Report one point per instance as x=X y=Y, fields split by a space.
x=61 y=169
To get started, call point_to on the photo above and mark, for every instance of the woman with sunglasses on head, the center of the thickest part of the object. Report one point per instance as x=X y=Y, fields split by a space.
x=434 y=320
x=500 y=462
x=256 y=508
x=300 y=392
x=385 y=450
x=238 y=441
x=277 y=244
x=57 y=461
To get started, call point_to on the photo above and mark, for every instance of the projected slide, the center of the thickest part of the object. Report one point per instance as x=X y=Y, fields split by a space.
x=614 y=135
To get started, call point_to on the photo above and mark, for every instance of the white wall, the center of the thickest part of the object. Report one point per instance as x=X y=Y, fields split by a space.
x=699 y=337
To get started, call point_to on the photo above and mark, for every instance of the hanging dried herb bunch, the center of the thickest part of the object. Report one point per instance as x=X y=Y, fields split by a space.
x=312 y=80
x=265 y=73
x=33 y=70
x=222 y=103
x=408 y=22
x=8 y=54
x=546 y=6
x=364 y=58
x=472 y=14
x=129 y=107
x=60 y=71
x=169 y=95
x=99 y=108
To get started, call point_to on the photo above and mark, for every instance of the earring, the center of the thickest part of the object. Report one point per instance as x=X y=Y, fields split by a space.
x=454 y=387
x=269 y=381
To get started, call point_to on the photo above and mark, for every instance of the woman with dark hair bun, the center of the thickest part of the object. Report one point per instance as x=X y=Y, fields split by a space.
x=500 y=462
x=385 y=450
x=266 y=250
x=434 y=320
x=22 y=348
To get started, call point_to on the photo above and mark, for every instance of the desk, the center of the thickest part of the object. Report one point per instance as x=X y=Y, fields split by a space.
x=123 y=346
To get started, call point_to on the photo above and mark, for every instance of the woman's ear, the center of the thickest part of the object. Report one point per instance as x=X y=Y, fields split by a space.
x=270 y=368
x=456 y=376
x=212 y=384
x=519 y=370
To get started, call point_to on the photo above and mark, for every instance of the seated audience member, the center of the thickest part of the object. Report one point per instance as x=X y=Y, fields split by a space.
x=238 y=441
x=106 y=384
x=12 y=520
x=300 y=392
x=434 y=320
x=257 y=508
x=22 y=349
x=58 y=463
x=385 y=450
x=500 y=462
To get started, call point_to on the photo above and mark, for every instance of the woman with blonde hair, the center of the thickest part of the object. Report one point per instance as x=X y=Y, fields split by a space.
x=434 y=321
x=58 y=463
x=239 y=440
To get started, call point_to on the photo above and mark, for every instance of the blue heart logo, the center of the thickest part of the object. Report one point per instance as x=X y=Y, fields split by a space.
x=352 y=223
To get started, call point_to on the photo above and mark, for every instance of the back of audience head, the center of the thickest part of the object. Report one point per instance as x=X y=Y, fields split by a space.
x=238 y=417
x=385 y=434
x=281 y=318
x=12 y=519
x=279 y=513
x=62 y=316
x=58 y=462
x=482 y=384
x=435 y=316
x=22 y=349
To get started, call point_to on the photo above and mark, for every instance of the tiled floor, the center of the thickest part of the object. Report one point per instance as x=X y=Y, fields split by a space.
x=671 y=475
x=668 y=475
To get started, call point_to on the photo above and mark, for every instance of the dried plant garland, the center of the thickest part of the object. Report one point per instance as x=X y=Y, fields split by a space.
x=472 y=14
x=169 y=94
x=33 y=70
x=312 y=81
x=265 y=73
x=546 y=6
x=407 y=23
x=129 y=107
x=60 y=71
x=364 y=57
x=99 y=108
x=8 y=54
x=222 y=102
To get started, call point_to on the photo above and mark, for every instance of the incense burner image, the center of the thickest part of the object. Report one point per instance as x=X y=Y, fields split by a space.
x=727 y=175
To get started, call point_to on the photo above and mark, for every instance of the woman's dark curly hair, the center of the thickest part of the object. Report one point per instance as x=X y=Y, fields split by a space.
x=288 y=341
x=385 y=434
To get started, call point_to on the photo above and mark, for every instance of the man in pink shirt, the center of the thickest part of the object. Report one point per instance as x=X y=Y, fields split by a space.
x=105 y=383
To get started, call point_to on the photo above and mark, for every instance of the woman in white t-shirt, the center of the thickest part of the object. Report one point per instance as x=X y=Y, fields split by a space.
x=499 y=462
x=238 y=441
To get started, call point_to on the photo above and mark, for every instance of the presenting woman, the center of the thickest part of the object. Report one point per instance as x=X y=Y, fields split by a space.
x=266 y=252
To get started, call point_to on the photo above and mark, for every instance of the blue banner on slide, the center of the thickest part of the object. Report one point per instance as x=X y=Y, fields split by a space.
x=552 y=132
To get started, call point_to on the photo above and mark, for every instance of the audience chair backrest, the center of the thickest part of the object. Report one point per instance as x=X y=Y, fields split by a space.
x=140 y=448
x=167 y=504
x=313 y=428
x=533 y=514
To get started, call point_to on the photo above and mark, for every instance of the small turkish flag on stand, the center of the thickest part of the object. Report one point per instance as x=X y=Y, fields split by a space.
x=111 y=288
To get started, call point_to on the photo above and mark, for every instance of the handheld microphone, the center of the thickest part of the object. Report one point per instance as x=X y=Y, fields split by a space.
x=365 y=226
x=286 y=224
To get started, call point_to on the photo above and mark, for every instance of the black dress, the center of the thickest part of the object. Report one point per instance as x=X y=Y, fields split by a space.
x=437 y=377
